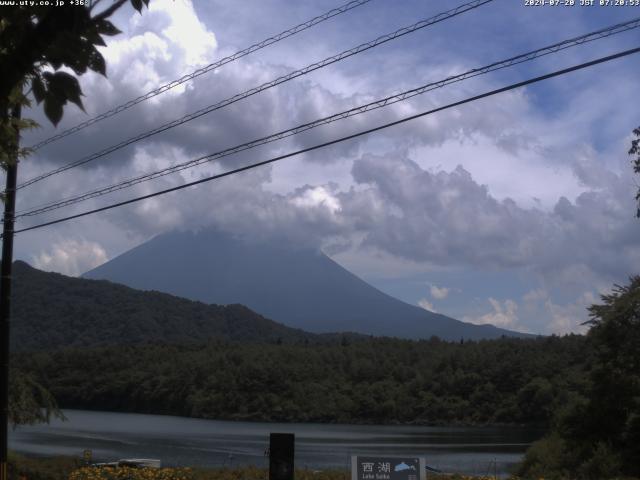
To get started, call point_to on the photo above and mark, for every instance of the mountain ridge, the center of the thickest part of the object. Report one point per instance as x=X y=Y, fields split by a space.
x=296 y=286
x=53 y=311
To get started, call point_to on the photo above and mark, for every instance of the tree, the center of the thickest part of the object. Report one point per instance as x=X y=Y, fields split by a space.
x=36 y=42
x=635 y=150
x=598 y=435
x=29 y=401
x=613 y=404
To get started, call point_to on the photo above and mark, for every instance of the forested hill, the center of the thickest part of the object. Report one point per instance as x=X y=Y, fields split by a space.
x=377 y=381
x=51 y=311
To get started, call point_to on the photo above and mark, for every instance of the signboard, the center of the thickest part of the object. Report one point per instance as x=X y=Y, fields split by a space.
x=378 y=467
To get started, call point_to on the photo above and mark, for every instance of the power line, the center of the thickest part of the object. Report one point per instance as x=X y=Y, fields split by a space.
x=201 y=71
x=339 y=140
x=285 y=78
x=525 y=57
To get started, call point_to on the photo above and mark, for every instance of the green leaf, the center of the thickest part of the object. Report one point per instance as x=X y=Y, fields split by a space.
x=71 y=51
x=38 y=88
x=66 y=83
x=53 y=109
x=54 y=55
x=93 y=36
x=63 y=82
x=137 y=4
x=105 y=27
x=26 y=124
x=67 y=88
x=97 y=63
x=78 y=56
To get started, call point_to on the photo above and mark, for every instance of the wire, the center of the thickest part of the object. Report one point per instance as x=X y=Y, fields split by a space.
x=285 y=78
x=339 y=140
x=525 y=57
x=212 y=66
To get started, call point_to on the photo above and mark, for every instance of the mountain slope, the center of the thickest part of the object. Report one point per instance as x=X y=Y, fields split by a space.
x=296 y=286
x=51 y=310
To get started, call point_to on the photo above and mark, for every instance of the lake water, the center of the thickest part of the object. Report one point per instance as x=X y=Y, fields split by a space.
x=179 y=441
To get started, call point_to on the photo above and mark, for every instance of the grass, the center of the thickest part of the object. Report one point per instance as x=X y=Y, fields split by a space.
x=41 y=468
x=23 y=467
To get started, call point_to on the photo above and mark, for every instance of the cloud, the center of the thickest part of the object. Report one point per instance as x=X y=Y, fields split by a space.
x=450 y=191
x=310 y=197
x=504 y=314
x=447 y=218
x=424 y=303
x=395 y=210
x=569 y=318
x=71 y=257
x=439 y=293
x=441 y=217
x=560 y=317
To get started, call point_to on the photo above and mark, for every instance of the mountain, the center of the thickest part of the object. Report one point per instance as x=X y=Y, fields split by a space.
x=297 y=286
x=50 y=311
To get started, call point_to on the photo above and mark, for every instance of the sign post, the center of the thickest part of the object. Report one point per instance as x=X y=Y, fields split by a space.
x=378 y=467
x=281 y=456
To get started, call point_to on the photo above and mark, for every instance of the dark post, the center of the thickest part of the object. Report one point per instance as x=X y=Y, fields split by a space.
x=281 y=451
x=5 y=296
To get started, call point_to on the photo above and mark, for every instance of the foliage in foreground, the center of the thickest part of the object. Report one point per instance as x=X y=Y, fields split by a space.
x=36 y=43
x=597 y=436
x=129 y=473
x=67 y=468
x=29 y=401
x=243 y=473
x=246 y=473
x=32 y=468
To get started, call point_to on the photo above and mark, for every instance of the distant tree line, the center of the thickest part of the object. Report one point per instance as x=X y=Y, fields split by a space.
x=507 y=381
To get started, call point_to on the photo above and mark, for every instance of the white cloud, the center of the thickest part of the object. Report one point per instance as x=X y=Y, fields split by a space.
x=71 y=257
x=186 y=30
x=316 y=196
x=453 y=189
x=570 y=317
x=439 y=293
x=165 y=42
x=535 y=295
x=504 y=314
x=427 y=305
x=560 y=318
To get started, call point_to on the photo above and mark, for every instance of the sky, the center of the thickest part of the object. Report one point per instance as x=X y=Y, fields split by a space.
x=516 y=210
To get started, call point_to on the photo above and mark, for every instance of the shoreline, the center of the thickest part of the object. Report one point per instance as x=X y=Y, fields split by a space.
x=260 y=420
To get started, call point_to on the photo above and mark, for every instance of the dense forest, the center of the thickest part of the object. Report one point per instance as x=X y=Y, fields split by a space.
x=510 y=381
x=52 y=311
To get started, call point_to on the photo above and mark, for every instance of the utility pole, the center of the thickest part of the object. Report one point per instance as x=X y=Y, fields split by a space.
x=5 y=294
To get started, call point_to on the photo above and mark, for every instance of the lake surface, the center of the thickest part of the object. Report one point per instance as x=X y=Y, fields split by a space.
x=179 y=441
